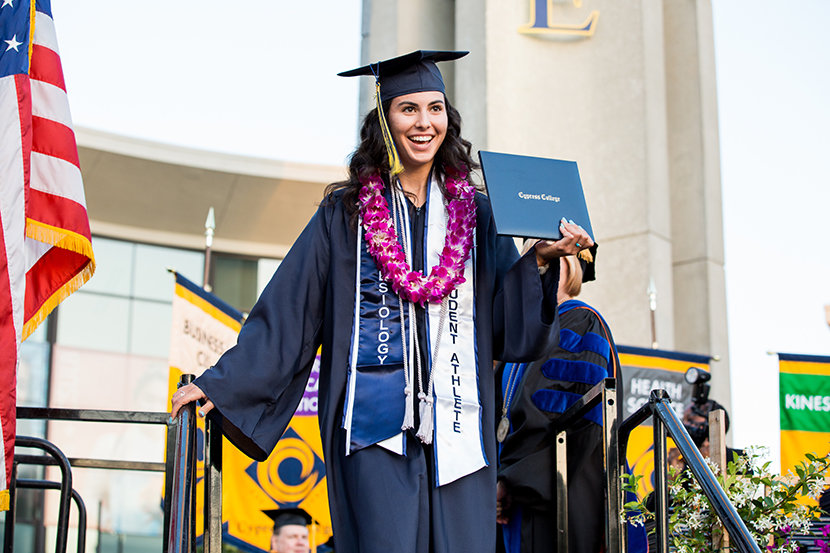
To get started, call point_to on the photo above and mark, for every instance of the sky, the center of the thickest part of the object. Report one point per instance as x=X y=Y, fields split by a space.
x=262 y=83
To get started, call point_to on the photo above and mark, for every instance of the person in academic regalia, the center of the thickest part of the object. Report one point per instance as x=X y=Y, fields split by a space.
x=401 y=278
x=290 y=533
x=532 y=396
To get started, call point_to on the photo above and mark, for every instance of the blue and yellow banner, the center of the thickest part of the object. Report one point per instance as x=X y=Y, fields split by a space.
x=644 y=370
x=804 y=395
x=294 y=475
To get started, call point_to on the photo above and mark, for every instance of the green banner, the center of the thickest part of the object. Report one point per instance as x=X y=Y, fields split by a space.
x=805 y=402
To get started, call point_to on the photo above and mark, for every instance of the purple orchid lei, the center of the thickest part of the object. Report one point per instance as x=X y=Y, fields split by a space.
x=382 y=241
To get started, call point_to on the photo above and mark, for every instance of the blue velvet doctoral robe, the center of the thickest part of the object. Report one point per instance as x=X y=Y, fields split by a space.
x=379 y=501
x=541 y=391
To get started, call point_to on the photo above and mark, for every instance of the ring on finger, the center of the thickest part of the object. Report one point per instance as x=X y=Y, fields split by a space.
x=578 y=245
x=182 y=394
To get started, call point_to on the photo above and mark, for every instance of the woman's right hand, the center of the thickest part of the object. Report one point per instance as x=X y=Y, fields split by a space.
x=185 y=395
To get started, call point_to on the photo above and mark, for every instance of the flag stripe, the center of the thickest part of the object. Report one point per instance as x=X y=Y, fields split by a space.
x=54 y=211
x=12 y=201
x=13 y=97
x=50 y=276
x=12 y=168
x=46 y=67
x=48 y=172
x=34 y=251
x=50 y=102
x=54 y=139
x=45 y=34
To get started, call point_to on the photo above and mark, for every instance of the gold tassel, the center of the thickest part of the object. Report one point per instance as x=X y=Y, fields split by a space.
x=585 y=255
x=395 y=165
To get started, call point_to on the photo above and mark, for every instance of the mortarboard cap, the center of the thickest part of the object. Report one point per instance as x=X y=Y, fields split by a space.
x=413 y=72
x=288 y=517
x=407 y=74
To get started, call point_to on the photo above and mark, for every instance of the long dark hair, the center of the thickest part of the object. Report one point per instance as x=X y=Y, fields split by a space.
x=370 y=157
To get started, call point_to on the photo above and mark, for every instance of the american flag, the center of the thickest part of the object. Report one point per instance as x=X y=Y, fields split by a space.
x=45 y=246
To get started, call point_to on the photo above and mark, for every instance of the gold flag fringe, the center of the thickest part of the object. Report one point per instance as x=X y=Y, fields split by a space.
x=585 y=256
x=32 y=12
x=4 y=499
x=66 y=240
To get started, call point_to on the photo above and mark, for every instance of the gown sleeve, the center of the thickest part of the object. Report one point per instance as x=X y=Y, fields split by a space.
x=525 y=314
x=257 y=385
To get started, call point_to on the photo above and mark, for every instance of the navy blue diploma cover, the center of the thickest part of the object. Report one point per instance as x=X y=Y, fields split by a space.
x=529 y=195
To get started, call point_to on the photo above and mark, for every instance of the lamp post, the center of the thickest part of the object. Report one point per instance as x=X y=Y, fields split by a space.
x=210 y=226
x=652 y=305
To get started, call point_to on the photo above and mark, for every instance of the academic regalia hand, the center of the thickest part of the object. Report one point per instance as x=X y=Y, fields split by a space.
x=574 y=239
x=503 y=502
x=185 y=395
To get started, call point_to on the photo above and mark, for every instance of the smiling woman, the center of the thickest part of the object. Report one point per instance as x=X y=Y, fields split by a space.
x=384 y=280
x=418 y=123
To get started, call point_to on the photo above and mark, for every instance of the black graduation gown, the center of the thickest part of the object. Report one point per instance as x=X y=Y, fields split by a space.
x=527 y=456
x=257 y=385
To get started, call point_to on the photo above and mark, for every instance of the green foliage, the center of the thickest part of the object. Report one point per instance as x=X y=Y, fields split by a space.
x=770 y=506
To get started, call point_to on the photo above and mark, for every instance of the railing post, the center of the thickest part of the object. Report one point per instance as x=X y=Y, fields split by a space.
x=717 y=453
x=661 y=488
x=614 y=534
x=181 y=538
x=213 y=487
x=169 y=471
x=562 y=490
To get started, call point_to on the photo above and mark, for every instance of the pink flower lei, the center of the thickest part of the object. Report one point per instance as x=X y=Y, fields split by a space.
x=382 y=241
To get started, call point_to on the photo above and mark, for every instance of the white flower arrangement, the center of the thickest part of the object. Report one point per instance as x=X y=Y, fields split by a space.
x=769 y=505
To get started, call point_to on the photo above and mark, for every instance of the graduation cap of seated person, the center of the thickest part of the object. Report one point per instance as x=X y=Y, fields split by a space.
x=288 y=517
x=407 y=74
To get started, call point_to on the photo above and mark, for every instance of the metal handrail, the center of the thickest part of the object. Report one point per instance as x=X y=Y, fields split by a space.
x=665 y=421
x=604 y=393
x=65 y=487
x=130 y=417
x=48 y=485
x=182 y=534
x=615 y=445
x=179 y=465
x=76 y=462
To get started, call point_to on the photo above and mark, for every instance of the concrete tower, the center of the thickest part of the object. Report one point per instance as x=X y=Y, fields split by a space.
x=627 y=89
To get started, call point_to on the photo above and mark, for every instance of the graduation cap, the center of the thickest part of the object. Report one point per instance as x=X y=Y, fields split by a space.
x=413 y=72
x=587 y=259
x=288 y=517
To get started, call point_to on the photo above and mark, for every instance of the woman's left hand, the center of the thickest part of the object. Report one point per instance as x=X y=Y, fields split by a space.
x=574 y=239
x=187 y=394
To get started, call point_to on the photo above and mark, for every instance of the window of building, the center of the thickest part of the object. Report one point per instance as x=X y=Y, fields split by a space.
x=126 y=306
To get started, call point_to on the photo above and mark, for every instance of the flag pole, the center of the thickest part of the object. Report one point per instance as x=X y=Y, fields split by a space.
x=210 y=226
x=213 y=439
